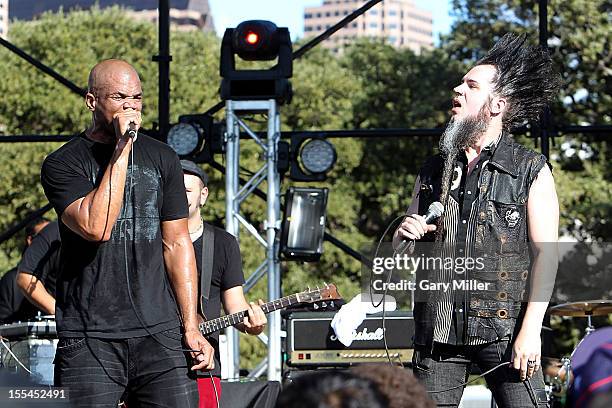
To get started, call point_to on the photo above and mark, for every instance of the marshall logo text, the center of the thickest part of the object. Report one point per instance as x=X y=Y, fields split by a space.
x=363 y=335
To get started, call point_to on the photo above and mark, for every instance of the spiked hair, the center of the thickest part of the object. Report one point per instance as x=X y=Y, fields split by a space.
x=525 y=77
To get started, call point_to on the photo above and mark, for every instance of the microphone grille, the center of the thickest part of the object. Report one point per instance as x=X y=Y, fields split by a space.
x=436 y=208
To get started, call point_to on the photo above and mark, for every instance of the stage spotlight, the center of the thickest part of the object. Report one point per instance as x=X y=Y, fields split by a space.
x=317 y=156
x=303 y=224
x=185 y=138
x=196 y=138
x=256 y=40
x=312 y=157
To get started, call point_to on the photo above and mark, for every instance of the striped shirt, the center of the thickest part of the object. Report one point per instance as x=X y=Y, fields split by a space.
x=460 y=226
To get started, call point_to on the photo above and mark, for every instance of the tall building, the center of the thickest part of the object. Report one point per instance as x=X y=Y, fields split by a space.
x=184 y=14
x=4 y=17
x=400 y=22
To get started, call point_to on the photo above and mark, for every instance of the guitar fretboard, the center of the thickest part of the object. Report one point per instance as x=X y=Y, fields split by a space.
x=211 y=326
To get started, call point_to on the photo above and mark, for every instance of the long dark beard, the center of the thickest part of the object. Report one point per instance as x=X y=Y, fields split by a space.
x=458 y=135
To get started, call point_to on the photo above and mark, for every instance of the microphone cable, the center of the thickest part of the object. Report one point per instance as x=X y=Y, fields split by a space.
x=526 y=381
x=13 y=355
x=472 y=380
x=212 y=381
x=384 y=295
x=125 y=249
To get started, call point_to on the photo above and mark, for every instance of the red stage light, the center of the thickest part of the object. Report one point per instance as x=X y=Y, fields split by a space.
x=252 y=38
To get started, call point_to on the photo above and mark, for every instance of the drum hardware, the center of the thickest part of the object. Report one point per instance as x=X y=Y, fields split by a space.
x=588 y=309
x=33 y=345
x=585 y=308
x=561 y=372
x=556 y=379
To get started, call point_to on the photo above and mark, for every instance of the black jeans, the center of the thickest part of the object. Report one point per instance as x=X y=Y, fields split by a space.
x=98 y=372
x=449 y=366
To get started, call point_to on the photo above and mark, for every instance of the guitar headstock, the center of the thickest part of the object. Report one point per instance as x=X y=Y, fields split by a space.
x=327 y=292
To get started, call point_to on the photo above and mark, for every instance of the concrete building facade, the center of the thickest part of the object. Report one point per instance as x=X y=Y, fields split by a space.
x=399 y=22
x=184 y=14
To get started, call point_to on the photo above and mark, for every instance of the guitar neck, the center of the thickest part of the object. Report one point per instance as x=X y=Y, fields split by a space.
x=211 y=326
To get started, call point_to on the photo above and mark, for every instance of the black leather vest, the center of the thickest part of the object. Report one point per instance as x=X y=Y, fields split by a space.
x=501 y=241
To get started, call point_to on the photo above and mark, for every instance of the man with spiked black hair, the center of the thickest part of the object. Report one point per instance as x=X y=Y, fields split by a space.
x=500 y=210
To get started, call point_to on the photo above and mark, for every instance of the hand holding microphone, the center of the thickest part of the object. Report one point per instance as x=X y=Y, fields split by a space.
x=127 y=123
x=415 y=226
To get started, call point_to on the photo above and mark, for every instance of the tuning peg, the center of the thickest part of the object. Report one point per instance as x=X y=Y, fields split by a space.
x=323 y=304
x=315 y=306
x=332 y=304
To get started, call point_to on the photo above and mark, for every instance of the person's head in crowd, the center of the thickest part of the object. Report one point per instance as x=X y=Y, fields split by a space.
x=33 y=228
x=397 y=384
x=331 y=389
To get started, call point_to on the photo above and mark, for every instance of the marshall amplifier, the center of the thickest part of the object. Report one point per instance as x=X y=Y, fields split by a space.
x=312 y=342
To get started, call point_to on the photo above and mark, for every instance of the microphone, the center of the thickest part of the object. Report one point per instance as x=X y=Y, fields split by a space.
x=434 y=212
x=132 y=131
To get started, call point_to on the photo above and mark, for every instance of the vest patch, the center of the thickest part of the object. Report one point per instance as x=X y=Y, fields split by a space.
x=512 y=218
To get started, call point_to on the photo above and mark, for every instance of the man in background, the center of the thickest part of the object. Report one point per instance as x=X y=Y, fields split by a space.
x=39 y=268
x=223 y=275
x=13 y=304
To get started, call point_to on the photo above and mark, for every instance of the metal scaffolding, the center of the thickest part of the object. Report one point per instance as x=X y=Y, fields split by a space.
x=234 y=196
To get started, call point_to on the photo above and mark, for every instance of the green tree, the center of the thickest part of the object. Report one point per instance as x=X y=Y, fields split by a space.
x=399 y=90
x=370 y=86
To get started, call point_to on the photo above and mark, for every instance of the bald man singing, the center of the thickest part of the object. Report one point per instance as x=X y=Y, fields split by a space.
x=126 y=293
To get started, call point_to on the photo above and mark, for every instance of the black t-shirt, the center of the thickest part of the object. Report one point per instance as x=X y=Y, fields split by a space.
x=13 y=304
x=97 y=279
x=226 y=274
x=41 y=258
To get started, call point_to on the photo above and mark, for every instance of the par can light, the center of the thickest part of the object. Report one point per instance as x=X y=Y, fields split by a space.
x=317 y=156
x=184 y=138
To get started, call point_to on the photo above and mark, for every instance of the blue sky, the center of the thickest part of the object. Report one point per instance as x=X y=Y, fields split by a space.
x=289 y=13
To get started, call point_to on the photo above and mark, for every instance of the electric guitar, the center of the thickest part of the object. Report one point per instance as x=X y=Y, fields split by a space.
x=328 y=292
